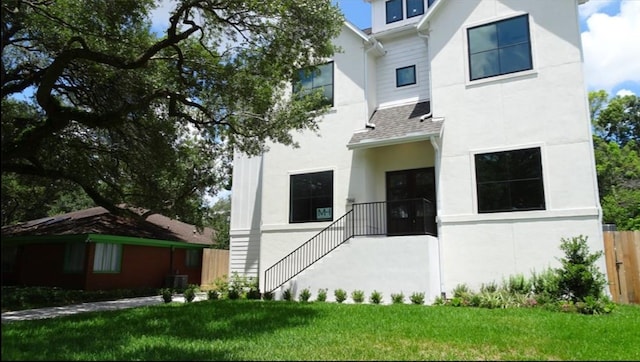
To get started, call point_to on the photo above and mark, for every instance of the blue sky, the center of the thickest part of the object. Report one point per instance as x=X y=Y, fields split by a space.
x=610 y=31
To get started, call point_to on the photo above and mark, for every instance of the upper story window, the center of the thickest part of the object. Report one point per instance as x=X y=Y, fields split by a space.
x=499 y=48
x=394 y=10
x=406 y=76
x=311 y=196
x=509 y=181
x=415 y=8
x=316 y=78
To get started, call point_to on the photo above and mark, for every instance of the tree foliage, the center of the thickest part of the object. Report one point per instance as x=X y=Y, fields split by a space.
x=91 y=96
x=616 y=124
x=218 y=218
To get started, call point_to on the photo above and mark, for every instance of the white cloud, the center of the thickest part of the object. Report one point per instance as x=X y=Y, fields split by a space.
x=625 y=92
x=611 y=47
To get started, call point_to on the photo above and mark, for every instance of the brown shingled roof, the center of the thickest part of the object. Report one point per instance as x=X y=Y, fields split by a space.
x=98 y=220
x=397 y=123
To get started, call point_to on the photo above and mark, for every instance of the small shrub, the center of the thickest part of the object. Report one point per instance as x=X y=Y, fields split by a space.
x=267 y=296
x=213 y=294
x=287 y=295
x=340 y=294
x=167 y=294
x=518 y=284
x=397 y=298
x=357 y=296
x=579 y=277
x=221 y=284
x=440 y=301
x=233 y=294
x=375 y=297
x=489 y=287
x=322 y=295
x=417 y=298
x=190 y=292
x=305 y=294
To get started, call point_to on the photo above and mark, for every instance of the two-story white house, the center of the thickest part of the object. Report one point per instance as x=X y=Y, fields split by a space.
x=457 y=150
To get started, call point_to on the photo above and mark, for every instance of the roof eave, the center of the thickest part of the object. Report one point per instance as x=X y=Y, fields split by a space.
x=421 y=25
x=392 y=141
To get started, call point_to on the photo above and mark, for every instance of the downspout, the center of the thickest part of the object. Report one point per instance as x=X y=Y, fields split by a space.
x=436 y=147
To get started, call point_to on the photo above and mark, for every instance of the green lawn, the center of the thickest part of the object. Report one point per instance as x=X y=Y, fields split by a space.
x=278 y=330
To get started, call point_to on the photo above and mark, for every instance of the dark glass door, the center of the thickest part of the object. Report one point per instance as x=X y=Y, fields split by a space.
x=407 y=213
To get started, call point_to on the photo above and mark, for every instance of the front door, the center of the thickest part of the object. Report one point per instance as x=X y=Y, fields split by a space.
x=407 y=213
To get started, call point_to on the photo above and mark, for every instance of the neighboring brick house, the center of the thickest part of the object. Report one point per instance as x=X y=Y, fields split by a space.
x=93 y=249
x=457 y=150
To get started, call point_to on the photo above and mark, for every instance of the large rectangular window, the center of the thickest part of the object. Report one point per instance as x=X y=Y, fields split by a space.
x=311 y=196
x=501 y=47
x=406 y=76
x=509 y=181
x=74 y=255
x=318 y=78
x=394 y=10
x=107 y=258
x=415 y=8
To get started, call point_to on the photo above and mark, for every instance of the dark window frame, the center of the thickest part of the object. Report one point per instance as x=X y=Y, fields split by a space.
x=390 y=3
x=297 y=88
x=500 y=49
x=415 y=76
x=511 y=180
x=302 y=206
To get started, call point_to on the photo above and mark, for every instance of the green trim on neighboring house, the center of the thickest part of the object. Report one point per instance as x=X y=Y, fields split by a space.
x=98 y=238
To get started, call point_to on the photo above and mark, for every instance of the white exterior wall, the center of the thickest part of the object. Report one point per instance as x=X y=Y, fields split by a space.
x=244 y=231
x=379 y=17
x=545 y=107
x=318 y=152
x=408 y=264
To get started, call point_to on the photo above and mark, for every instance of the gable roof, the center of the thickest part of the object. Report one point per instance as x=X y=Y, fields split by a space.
x=406 y=123
x=98 y=220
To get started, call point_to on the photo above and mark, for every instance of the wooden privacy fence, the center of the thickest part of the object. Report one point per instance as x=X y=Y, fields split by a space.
x=215 y=264
x=622 y=253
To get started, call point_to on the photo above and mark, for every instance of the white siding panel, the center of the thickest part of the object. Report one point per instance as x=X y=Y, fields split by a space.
x=403 y=52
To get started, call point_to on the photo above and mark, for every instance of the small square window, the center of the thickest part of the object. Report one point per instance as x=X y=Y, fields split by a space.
x=498 y=48
x=406 y=76
x=394 y=11
x=415 y=8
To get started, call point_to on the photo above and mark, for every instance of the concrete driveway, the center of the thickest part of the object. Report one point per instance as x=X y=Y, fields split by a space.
x=52 y=312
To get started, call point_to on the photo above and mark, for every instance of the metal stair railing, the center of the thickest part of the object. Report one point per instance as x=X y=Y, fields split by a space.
x=363 y=219
x=308 y=253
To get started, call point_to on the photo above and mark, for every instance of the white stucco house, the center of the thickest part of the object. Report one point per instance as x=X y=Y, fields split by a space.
x=457 y=150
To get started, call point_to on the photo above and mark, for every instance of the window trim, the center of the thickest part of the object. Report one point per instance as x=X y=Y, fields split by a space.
x=474 y=179
x=500 y=76
x=415 y=76
x=309 y=172
x=386 y=11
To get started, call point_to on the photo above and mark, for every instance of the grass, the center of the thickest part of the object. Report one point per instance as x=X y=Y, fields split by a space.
x=277 y=330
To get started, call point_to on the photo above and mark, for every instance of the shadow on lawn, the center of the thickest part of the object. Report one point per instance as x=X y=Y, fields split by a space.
x=207 y=330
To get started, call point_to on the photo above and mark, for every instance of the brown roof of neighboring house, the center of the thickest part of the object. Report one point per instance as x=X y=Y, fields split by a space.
x=397 y=124
x=98 y=220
